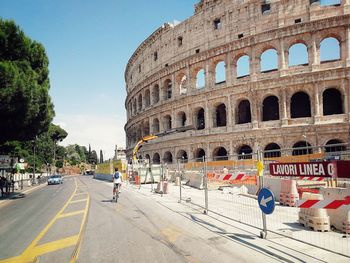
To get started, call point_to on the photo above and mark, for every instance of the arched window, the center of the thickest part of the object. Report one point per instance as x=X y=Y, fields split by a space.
x=332 y=102
x=220 y=73
x=245 y=152
x=302 y=148
x=134 y=107
x=271 y=109
x=220 y=154
x=183 y=85
x=298 y=55
x=335 y=146
x=140 y=102
x=167 y=123
x=269 y=60
x=243 y=112
x=155 y=125
x=147 y=98
x=243 y=67
x=220 y=116
x=147 y=157
x=300 y=105
x=329 y=2
x=155 y=94
x=168 y=157
x=182 y=156
x=156 y=158
x=146 y=128
x=329 y=49
x=181 y=119
x=167 y=90
x=272 y=150
x=200 y=119
x=200 y=79
x=199 y=155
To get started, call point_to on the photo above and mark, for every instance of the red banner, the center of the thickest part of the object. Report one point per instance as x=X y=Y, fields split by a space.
x=339 y=169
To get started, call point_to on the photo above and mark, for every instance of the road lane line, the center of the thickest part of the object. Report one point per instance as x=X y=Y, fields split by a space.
x=86 y=193
x=54 y=245
x=78 y=201
x=72 y=214
x=75 y=254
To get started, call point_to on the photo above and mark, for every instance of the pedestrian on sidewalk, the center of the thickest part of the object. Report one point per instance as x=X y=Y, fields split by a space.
x=2 y=185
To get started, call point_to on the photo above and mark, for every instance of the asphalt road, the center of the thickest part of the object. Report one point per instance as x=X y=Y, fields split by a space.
x=79 y=222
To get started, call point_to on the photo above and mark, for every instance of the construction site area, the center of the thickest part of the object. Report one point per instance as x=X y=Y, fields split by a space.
x=311 y=191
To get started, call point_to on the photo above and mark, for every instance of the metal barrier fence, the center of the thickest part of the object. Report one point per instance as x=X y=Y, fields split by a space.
x=229 y=188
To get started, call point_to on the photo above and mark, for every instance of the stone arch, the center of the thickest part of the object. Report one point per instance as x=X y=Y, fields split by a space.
x=330 y=49
x=155 y=94
x=199 y=118
x=168 y=157
x=270 y=109
x=302 y=148
x=200 y=79
x=272 y=150
x=269 y=60
x=245 y=152
x=298 y=54
x=182 y=83
x=243 y=66
x=134 y=106
x=220 y=114
x=220 y=153
x=167 y=122
x=332 y=102
x=147 y=98
x=220 y=72
x=300 y=105
x=167 y=89
x=199 y=154
x=335 y=145
x=147 y=157
x=243 y=112
x=145 y=127
x=181 y=119
x=182 y=156
x=155 y=125
x=156 y=158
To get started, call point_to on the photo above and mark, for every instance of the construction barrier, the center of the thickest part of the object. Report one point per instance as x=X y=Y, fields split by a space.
x=289 y=194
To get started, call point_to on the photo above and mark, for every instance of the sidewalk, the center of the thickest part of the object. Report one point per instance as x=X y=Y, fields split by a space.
x=20 y=193
x=285 y=248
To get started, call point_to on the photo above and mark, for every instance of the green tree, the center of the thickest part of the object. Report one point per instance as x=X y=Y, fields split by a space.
x=26 y=109
x=93 y=157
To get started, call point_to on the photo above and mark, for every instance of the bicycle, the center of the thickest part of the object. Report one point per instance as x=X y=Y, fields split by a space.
x=116 y=192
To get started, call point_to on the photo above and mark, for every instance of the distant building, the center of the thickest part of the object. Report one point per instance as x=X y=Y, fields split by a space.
x=119 y=154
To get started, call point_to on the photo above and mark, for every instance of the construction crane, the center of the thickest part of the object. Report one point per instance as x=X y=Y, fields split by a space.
x=140 y=143
x=152 y=137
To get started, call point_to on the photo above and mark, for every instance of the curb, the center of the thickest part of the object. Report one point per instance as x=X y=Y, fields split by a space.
x=32 y=189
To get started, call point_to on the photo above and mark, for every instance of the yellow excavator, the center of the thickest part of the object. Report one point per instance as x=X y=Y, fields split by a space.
x=140 y=143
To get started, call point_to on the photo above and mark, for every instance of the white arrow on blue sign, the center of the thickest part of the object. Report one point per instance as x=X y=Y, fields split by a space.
x=266 y=201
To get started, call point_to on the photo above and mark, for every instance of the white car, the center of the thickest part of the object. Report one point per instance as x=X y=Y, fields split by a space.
x=55 y=179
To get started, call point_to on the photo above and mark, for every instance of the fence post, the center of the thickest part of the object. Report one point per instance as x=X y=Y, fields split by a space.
x=263 y=233
x=205 y=177
x=179 y=176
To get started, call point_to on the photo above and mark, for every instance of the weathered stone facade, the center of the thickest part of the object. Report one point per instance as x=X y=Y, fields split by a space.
x=282 y=105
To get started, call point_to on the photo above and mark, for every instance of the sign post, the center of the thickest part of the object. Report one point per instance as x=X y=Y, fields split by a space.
x=266 y=201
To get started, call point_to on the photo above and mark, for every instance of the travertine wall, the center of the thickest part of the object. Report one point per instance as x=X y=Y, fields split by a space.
x=224 y=31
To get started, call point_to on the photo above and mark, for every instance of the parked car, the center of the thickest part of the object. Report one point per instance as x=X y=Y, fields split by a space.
x=55 y=179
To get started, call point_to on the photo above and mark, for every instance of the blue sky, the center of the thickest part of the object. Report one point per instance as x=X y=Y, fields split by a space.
x=88 y=43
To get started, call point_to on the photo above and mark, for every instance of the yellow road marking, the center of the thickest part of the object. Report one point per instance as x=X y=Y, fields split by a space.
x=171 y=234
x=77 y=201
x=34 y=250
x=81 y=194
x=72 y=214
x=55 y=245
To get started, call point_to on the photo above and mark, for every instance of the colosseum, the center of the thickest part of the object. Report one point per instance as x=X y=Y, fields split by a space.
x=239 y=76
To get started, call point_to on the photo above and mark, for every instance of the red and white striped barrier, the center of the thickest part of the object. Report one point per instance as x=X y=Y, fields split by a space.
x=229 y=177
x=326 y=204
x=311 y=178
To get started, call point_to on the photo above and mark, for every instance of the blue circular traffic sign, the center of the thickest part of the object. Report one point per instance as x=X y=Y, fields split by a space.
x=266 y=201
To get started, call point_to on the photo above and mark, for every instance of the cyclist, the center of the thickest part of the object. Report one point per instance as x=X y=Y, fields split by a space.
x=117 y=181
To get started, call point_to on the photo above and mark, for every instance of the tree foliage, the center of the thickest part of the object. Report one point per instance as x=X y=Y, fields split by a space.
x=26 y=109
